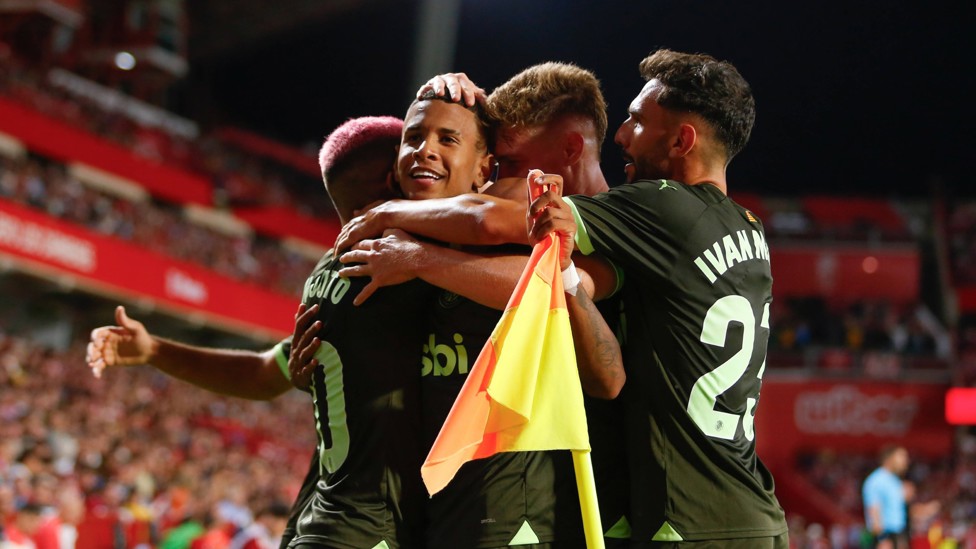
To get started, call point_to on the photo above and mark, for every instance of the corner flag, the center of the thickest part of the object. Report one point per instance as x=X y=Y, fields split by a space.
x=523 y=392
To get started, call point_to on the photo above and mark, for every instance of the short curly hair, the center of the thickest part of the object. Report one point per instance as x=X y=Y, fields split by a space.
x=544 y=92
x=712 y=89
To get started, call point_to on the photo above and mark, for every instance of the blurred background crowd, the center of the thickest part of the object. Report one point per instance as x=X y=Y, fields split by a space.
x=876 y=293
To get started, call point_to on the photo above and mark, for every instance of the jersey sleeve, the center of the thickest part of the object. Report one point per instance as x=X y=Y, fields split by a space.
x=281 y=353
x=639 y=226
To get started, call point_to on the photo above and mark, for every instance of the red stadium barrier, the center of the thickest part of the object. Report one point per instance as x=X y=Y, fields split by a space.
x=269 y=148
x=66 y=143
x=105 y=264
x=285 y=221
x=846 y=274
x=848 y=212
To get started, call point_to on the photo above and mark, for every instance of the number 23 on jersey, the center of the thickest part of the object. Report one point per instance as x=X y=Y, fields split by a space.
x=704 y=394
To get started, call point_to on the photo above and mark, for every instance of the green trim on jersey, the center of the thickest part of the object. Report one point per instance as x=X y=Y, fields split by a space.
x=620 y=278
x=583 y=243
x=525 y=536
x=331 y=458
x=281 y=358
x=620 y=530
x=585 y=247
x=666 y=532
x=382 y=545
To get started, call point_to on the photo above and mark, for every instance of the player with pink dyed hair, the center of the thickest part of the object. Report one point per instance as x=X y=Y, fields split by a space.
x=363 y=488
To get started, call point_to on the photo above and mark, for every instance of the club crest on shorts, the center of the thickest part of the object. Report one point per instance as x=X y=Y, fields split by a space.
x=448 y=300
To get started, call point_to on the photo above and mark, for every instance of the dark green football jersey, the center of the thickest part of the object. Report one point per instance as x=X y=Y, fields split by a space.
x=511 y=498
x=366 y=396
x=305 y=494
x=697 y=291
x=605 y=423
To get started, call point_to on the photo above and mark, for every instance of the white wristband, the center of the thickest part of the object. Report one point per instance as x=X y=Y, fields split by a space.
x=571 y=279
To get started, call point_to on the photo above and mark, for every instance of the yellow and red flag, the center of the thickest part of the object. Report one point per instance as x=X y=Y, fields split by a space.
x=523 y=392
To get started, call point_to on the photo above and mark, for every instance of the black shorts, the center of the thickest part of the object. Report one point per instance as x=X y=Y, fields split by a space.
x=489 y=501
x=781 y=541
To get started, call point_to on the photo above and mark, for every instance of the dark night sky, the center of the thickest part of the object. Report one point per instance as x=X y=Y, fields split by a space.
x=852 y=97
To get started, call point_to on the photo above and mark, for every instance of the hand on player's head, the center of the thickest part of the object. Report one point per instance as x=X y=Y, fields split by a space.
x=457 y=85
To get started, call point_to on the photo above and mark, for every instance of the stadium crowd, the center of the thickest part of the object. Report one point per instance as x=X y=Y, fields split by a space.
x=874 y=338
x=239 y=177
x=137 y=459
x=140 y=459
x=866 y=325
x=153 y=225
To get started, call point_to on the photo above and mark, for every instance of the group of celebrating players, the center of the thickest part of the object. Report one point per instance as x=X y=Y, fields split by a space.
x=670 y=316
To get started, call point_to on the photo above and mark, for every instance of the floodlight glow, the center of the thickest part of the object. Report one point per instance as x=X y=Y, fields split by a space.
x=870 y=264
x=125 y=61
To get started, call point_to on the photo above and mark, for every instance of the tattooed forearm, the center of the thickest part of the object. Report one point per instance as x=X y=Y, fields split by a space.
x=597 y=351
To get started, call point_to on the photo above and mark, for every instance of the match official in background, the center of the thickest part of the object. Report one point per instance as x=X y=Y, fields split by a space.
x=887 y=497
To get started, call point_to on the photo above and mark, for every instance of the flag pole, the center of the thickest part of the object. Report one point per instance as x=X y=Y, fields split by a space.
x=586 y=486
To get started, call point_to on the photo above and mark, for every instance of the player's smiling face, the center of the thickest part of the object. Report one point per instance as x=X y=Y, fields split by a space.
x=442 y=152
x=646 y=135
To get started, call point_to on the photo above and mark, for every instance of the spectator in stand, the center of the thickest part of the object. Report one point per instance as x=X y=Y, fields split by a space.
x=266 y=531
x=239 y=177
x=19 y=530
x=136 y=461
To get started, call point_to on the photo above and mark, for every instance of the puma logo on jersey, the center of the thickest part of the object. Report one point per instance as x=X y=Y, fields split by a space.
x=448 y=300
x=443 y=360
x=729 y=250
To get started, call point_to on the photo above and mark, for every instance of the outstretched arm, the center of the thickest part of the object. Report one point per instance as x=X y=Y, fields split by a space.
x=598 y=354
x=466 y=219
x=399 y=257
x=488 y=279
x=245 y=374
